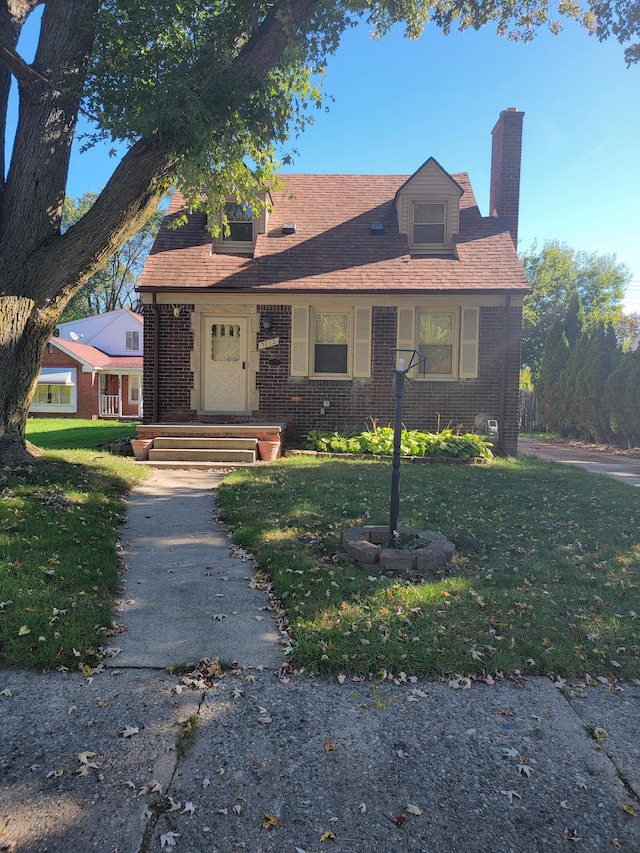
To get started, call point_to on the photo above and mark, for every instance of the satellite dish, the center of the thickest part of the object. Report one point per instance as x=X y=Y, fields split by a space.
x=75 y=336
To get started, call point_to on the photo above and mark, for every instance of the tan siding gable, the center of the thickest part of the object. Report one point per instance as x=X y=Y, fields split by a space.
x=430 y=182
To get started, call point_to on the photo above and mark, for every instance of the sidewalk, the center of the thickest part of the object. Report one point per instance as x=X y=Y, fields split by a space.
x=136 y=759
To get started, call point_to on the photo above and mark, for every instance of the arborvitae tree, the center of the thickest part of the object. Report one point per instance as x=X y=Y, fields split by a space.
x=573 y=323
x=621 y=396
x=548 y=387
x=595 y=358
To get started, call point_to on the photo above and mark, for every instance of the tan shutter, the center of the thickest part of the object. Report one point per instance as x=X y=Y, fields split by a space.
x=362 y=342
x=405 y=337
x=469 y=326
x=300 y=340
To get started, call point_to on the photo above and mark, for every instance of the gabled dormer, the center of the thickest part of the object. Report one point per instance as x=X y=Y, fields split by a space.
x=243 y=225
x=428 y=210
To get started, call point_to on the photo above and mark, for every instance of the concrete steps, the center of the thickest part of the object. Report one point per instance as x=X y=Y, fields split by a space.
x=201 y=449
x=202 y=445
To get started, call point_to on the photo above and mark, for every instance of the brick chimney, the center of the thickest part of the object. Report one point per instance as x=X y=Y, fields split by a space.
x=506 y=152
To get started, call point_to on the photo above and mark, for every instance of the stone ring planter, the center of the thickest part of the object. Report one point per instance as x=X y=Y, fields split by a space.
x=364 y=544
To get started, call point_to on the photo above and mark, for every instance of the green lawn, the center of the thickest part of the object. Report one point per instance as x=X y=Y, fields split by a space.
x=546 y=580
x=75 y=433
x=58 y=545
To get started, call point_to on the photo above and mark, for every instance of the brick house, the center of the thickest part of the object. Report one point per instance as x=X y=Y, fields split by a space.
x=296 y=314
x=92 y=369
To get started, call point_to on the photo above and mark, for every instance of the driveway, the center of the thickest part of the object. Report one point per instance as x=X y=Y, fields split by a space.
x=618 y=465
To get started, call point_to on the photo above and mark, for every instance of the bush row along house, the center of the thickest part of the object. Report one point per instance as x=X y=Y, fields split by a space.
x=297 y=314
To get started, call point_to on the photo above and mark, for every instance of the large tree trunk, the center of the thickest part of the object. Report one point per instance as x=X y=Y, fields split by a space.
x=40 y=268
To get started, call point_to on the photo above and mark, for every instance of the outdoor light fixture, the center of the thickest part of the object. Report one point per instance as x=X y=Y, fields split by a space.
x=266 y=322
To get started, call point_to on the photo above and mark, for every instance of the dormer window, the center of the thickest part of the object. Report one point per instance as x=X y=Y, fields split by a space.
x=429 y=221
x=239 y=223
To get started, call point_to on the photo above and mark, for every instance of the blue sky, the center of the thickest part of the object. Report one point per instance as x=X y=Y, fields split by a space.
x=399 y=102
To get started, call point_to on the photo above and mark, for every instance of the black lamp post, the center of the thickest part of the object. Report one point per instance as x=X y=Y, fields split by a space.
x=414 y=357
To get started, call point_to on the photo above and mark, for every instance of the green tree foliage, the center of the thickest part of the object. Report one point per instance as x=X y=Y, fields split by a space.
x=113 y=285
x=621 y=396
x=589 y=390
x=195 y=90
x=549 y=392
x=588 y=287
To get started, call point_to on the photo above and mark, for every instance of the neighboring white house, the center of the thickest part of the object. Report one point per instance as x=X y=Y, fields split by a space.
x=93 y=368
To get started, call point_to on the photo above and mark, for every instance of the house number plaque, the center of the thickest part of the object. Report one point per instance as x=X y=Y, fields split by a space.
x=272 y=342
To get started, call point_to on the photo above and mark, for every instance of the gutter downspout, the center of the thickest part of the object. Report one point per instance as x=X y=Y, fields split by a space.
x=503 y=371
x=156 y=359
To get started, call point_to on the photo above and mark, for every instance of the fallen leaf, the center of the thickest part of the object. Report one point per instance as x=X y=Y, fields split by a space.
x=400 y=819
x=237 y=809
x=206 y=782
x=328 y=836
x=153 y=787
x=270 y=821
x=524 y=770
x=571 y=835
x=173 y=806
x=6 y=692
x=630 y=809
x=54 y=773
x=129 y=731
x=510 y=795
x=330 y=746
x=84 y=757
x=415 y=810
x=24 y=629
x=169 y=839
x=362 y=808
x=264 y=720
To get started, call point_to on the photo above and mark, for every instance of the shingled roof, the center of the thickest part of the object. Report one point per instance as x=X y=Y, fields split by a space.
x=332 y=248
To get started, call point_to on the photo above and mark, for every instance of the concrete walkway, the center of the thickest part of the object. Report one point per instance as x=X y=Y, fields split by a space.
x=185 y=597
x=135 y=759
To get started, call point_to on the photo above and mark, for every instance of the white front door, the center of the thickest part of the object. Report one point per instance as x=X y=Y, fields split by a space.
x=225 y=364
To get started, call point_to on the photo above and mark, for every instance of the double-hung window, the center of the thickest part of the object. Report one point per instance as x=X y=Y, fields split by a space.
x=428 y=227
x=132 y=341
x=331 y=342
x=447 y=338
x=239 y=228
x=437 y=338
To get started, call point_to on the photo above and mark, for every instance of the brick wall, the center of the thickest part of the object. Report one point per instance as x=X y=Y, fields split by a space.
x=176 y=379
x=299 y=401
x=426 y=405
